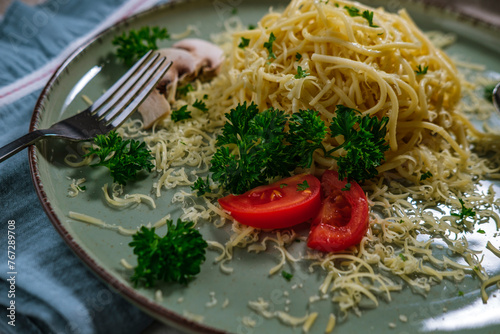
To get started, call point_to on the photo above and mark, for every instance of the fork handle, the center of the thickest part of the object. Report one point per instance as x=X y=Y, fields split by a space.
x=19 y=144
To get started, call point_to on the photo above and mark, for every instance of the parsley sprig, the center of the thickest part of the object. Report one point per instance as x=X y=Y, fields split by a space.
x=265 y=148
x=176 y=257
x=124 y=158
x=269 y=46
x=364 y=143
x=135 y=44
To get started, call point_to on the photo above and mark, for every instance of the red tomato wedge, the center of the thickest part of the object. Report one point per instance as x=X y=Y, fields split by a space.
x=342 y=220
x=279 y=205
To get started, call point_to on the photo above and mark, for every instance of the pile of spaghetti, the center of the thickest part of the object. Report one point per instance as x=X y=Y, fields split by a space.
x=320 y=54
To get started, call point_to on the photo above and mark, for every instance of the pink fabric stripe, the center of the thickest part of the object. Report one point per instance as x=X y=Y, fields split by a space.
x=21 y=87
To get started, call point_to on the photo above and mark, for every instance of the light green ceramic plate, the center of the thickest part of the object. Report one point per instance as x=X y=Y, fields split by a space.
x=92 y=69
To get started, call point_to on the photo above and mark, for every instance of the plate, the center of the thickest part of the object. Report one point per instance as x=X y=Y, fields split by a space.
x=92 y=68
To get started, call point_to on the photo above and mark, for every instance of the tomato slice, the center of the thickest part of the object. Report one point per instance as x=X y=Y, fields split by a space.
x=342 y=220
x=278 y=205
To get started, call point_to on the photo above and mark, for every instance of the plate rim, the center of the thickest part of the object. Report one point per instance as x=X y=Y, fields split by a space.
x=132 y=295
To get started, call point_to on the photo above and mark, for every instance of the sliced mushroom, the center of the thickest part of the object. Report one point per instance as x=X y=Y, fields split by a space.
x=211 y=55
x=154 y=107
x=190 y=58
x=185 y=67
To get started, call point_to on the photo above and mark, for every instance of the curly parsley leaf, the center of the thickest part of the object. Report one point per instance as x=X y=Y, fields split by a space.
x=488 y=92
x=368 y=16
x=421 y=70
x=425 y=176
x=176 y=257
x=261 y=146
x=135 y=44
x=364 y=143
x=201 y=186
x=180 y=114
x=124 y=159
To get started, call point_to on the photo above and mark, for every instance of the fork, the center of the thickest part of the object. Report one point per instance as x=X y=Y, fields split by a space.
x=107 y=113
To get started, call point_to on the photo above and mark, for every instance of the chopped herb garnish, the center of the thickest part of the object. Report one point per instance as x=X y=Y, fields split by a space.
x=364 y=143
x=181 y=114
x=302 y=186
x=421 y=70
x=347 y=187
x=488 y=92
x=460 y=293
x=481 y=231
x=200 y=105
x=251 y=27
x=403 y=257
x=123 y=158
x=283 y=185
x=137 y=43
x=286 y=275
x=301 y=73
x=352 y=11
x=269 y=46
x=463 y=215
x=266 y=147
x=201 y=186
x=425 y=176
x=367 y=15
x=244 y=42
x=176 y=257
x=298 y=56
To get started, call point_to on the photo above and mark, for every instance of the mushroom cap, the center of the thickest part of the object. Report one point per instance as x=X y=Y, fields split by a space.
x=211 y=55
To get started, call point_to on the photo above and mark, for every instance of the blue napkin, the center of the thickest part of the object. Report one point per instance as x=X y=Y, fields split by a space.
x=52 y=290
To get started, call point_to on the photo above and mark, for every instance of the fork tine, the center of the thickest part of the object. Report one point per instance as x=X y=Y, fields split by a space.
x=117 y=85
x=125 y=87
x=144 y=92
x=130 y=90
